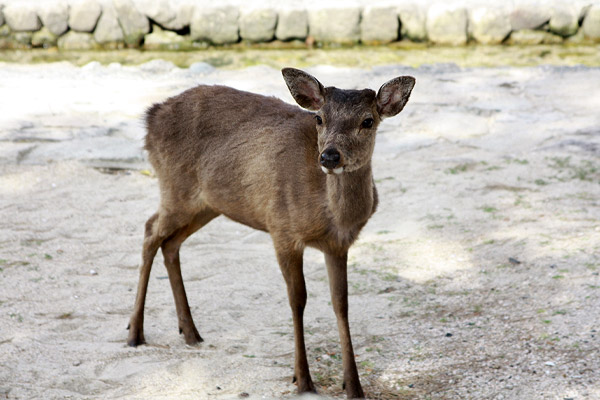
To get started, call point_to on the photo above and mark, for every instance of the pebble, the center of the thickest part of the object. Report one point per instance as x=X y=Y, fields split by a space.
x=549 y=364
x=93 y=272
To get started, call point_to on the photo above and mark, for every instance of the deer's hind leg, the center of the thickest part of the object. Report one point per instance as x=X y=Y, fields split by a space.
x=170 y=248
x=162 y=227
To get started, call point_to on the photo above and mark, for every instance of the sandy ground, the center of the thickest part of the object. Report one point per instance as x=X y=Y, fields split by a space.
x=476 y=279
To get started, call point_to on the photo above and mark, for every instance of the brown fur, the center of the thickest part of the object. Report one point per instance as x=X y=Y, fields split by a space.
x=255 y=159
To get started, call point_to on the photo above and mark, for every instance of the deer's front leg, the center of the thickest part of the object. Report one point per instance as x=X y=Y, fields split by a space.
x=338 y=284
x=290 y=262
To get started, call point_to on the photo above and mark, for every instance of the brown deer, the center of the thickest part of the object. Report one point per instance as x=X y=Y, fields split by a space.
x=304 y=177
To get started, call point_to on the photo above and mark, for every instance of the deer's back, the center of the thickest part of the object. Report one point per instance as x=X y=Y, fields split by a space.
x=250 y=157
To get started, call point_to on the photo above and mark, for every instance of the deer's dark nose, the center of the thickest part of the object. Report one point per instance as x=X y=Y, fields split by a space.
x=330 y=158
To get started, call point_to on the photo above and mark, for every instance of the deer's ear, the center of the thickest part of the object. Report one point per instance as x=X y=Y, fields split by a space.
x=305 y=88
x=393 y=95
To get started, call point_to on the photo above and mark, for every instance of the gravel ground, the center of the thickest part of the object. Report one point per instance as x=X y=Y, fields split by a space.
x=476 y=279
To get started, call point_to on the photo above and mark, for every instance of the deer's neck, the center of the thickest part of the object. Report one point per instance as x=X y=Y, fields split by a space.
x=351 y=198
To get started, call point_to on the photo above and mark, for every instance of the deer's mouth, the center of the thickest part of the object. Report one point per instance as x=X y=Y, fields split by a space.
x=336 y=171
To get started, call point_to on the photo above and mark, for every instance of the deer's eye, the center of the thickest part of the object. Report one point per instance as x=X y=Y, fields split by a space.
x=319 y=120
x=367 y=123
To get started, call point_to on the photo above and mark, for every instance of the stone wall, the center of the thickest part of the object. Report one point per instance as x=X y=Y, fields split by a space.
x=186 y=24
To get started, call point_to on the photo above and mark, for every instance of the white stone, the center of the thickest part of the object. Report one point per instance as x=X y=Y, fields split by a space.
x=447 y=24
x=337 y=25
x=76 y=41
x=161 y=11
x=134 y=24
x=21 y=17
x=183 y=15
x=292 y=24
x=489 y=25
x=54 y=16
x=257 y=24
x=217 y=25
x=379 y=24
x=529 y=15
x=108 y=29
x=84 y=15
x=412 y=22
x=591 y=23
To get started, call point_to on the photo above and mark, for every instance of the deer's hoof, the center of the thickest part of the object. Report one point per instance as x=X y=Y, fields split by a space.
x=135 y=338
x=305 y=385
x=354 y=391
x=192 y=337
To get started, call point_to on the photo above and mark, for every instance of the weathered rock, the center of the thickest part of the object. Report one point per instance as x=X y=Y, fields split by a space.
x=54 y=16
x=84 y=15
x=217 y=25
x=161 y=11
x=412 y=22
x=591 y=23
x=257 y=24
x=76 y=41
x=22 y=39
x=183 y=14
x=379 y=25
x=564 y=19
x=529 y=15
x=21 y=17
x=165 y=40
x=447 y=24
x=489 y=25
x=334 y=25
x=292 y=24
x=5 y=31
x=44 y=38
x=134 y=24
x=108 y=31
x=532 y=37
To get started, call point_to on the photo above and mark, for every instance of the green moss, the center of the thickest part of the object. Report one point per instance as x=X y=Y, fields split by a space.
x=279 y=54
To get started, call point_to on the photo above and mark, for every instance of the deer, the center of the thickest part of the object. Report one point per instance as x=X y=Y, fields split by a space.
x=302 y=175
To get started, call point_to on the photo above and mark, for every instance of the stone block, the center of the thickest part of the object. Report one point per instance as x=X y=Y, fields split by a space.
x=108 y=31
x=564 y=19
x=292 y=24
x=84 y=15
x=447 y=24
x=216 y=25
x=54 y=16
x=165 y=40
x=489 y=25
x=257 y=24
x=161 y=11
x=21 y=17
x=591 y=23
x=133 y=23
x=533 y=37
x=76 y=41
x=529 y=15
x=412 y=22
x=44 y=38
x=1 y=15
x=379 y=25
x=334 y=25
x=184 y=9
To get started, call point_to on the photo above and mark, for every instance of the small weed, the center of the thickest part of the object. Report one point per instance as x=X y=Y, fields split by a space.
x=540 y=182
x=435 y=226
x=546 y=321
x=457 y=169
x=16 y=316
x=558 y=277
x=383 y=232
x=249 y=355
x=47 y=256
x=489 y=209
x=490 y=241
x=559 y=312
x=517 y=161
